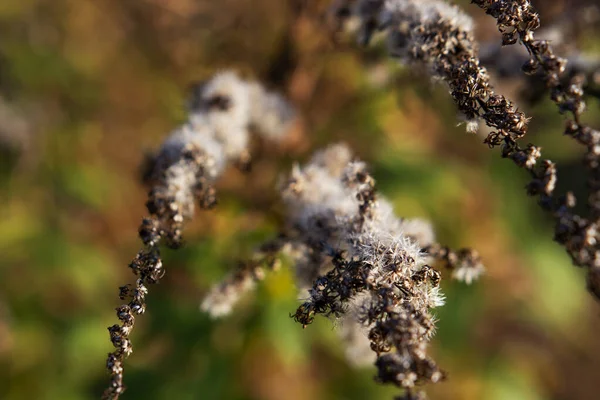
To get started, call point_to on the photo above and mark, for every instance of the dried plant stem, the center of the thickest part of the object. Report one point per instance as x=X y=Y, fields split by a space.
x=164 y=225
x=223 y=296
x=440 y=36
x=148 y=267
x=223 y=110
x=517 y=20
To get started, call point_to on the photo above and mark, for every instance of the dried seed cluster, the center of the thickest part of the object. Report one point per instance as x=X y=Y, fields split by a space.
x=223 y=296
x=517 y=21
x=378 y=281
x=563 y=33
x=222 y=111
x=355 y=261
x=439 y=36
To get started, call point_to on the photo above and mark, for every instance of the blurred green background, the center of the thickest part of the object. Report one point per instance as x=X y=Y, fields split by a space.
x=88 y=86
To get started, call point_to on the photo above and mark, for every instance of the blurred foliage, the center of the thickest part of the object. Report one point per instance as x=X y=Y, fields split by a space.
x=100 y=82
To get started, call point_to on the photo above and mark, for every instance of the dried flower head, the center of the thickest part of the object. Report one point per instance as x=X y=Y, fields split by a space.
x=439 y=36
x=222 y=111
x=356 y=262
x=517 y=21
